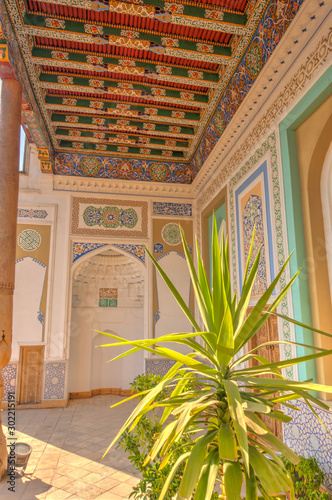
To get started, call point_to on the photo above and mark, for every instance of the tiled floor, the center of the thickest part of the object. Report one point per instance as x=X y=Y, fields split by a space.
x=68 y=444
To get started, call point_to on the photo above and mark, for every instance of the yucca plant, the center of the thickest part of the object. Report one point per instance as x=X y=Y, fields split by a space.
x=223 y=411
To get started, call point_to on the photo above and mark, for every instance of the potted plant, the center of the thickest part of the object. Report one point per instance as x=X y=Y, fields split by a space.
x=231 y=444
x=307 y=478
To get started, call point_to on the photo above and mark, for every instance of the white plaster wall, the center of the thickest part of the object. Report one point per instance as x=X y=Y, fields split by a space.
x=29 y=284
x=36 y=191
x=172 y=318
x=88 y=366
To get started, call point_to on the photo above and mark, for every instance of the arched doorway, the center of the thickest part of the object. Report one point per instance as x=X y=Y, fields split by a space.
x=107 y=295
x=326 y=193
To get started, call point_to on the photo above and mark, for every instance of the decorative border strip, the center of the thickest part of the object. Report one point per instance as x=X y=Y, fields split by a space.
x=81 y=249
x=122 y=168
x=138 y=251
x=268 y=149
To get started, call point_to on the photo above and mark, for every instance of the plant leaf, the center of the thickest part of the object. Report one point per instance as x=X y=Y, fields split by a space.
x=225 y=342
x=194 y=465
x=264 y=471
x=227 y=443
x=171 y=475
x=237 y=414
x=251 y=484
x=232 y=480
x=208 y=477
x=278 y=445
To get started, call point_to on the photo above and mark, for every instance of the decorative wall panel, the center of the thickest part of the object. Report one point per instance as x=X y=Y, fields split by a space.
x=253 y=211
x=158 y=366
x=32 y=268
x=9 y=375
x=31 y=213
x=307 y=437
x=31 y=373
x=244 y=172
x=168 y=250
x=55 y=376
x=177 y=209
x=109 y=217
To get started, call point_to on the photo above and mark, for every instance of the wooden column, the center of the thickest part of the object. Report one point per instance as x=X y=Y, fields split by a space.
x=10 y=122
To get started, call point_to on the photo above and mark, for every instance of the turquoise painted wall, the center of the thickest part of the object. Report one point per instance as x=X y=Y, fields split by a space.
x=294 y=218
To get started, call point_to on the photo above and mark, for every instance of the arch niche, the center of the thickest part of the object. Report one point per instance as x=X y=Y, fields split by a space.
x=107 y=295
x=314 y=152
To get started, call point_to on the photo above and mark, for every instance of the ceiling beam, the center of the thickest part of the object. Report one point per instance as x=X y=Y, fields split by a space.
x=125 y=138
x=74 y=103
x=124 y=70
x=69 y=85
x=117 y=113
x=132 y=88
x=79 y=146
x=144 y=132
x=209 y=18
x=120 y=124
x=205 y=52
x=116 y=141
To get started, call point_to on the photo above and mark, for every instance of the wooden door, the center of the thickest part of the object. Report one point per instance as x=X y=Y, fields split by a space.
x=31 y=380
x=268 y=333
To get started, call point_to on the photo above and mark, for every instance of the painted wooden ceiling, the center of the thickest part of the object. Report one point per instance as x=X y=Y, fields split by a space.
x=136 y=79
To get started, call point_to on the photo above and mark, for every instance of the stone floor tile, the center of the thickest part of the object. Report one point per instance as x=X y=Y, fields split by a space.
x=75 y=486
x=122 y=489
x=121 y=476
x=133 y=481
x=44 y=475
x=67 y=448
x=107 y=483
x=92 y=478
x=78 y=473
x=56 y=494
x=65 y=469
x=109 y=496
x=59 y=481
x=45 y=464
x=93 y=467
x=90 y=493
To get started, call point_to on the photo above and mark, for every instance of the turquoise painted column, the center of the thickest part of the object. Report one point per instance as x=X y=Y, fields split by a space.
x=10 y=123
